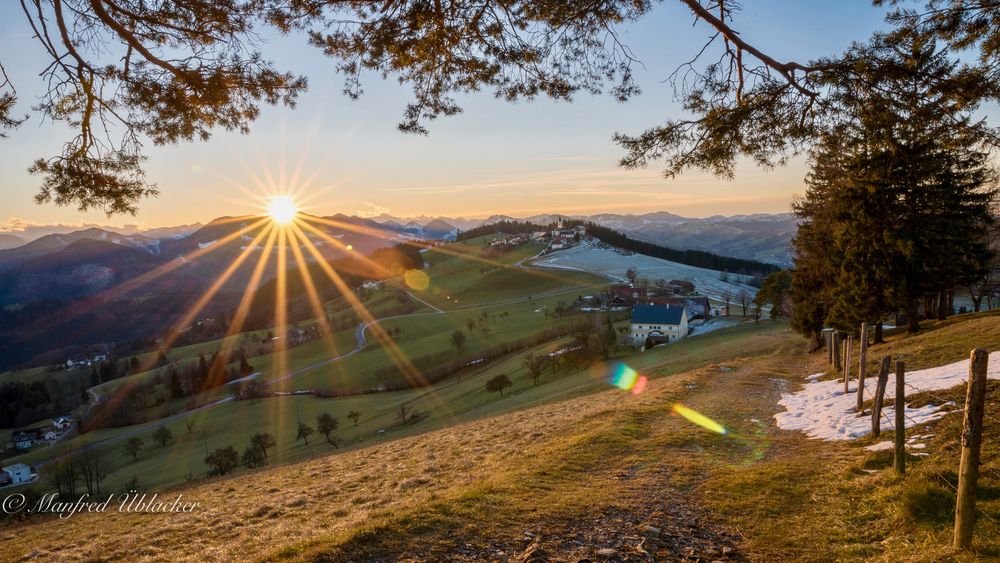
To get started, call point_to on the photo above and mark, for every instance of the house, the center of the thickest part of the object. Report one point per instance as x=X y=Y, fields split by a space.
x=659 y=323
x=23 y=440
x=559 y=243
x=682 y=287
x=698 y=307
x=18 y=473
x=62 y=422
x=621 y=294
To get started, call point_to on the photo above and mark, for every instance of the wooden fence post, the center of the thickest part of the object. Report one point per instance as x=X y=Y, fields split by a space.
x=836 y=351
x=900 y=461
x=862 y=365
x=972 y=435
x=847 y=360
x=883 y=379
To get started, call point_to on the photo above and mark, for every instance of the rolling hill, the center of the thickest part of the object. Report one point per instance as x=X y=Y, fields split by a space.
x=49 y=244
x=764 y=237
x=85 y=267
x=9 y=241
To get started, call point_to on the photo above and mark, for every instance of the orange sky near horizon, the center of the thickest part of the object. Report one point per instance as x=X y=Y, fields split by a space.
x=344 y=156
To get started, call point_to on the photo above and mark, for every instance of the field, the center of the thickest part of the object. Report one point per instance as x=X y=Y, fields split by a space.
x=571 y=467
x=336 y=364
x=456 y=280
x=612 y=264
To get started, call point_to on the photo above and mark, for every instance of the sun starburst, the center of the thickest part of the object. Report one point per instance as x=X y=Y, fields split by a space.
x=282 y=209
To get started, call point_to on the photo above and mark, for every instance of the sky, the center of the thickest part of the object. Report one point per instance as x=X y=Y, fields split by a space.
x=345 y=156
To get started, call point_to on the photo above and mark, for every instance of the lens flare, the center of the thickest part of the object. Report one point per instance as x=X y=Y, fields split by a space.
x=699 y=419
x=621 y=376
x=282 y=209
x=417 y=279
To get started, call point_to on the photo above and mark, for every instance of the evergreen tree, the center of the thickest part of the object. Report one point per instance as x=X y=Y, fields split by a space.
x=245 y=367
x=176 y=389
x=898 y=197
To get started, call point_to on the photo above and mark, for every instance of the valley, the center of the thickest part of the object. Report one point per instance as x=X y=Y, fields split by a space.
x=419 y=457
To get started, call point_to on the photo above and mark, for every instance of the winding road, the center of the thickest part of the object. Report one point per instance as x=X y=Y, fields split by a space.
x=361 y=343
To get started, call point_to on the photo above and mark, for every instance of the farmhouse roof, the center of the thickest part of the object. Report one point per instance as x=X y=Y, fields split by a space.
x=657 y=314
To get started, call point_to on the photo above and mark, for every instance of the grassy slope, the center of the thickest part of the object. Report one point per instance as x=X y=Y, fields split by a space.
x=558 y=422
x=482 y=482
x=851 y=505
x=423 y=333
x=457 y=281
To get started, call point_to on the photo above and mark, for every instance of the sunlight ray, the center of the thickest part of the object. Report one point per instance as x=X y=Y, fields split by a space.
x=327 y=238
x=216 y=286
x=120 y=393
x=280 y=360
x=410 y=372
x=243 y=308
x=443 y=249
x=89 y=303
x=313 y=295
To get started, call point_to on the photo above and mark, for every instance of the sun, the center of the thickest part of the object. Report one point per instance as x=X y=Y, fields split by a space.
x=282 y=209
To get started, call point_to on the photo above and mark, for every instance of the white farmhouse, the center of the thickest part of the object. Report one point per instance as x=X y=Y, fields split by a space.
x=661 y=323
x=17 y=473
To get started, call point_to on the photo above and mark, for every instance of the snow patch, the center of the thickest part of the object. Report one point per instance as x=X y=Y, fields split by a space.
x=206 y=244
x=881 y=446
x=611 y=264
x=822 y=409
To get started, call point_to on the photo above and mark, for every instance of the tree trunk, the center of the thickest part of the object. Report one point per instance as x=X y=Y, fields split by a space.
x=879 y=338
x=942 y=306
x=951 y=302
x=912 y=315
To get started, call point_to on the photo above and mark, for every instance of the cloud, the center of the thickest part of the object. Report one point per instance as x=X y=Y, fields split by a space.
x=373 y=210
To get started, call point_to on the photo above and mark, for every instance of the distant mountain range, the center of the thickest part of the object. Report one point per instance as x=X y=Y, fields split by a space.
x=88 y=261
x=66 y=291
x=9 y=241
x=764 y=237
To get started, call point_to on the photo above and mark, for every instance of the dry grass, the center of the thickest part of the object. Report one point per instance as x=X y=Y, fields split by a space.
x=552 y=467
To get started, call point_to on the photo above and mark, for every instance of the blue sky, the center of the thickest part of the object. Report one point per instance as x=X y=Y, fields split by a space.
x=496 y=157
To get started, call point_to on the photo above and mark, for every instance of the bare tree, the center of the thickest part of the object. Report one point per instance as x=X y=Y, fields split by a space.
x=263 y=442
x=404 y=413
x=744 y=299
x=303 y=432
x=91 y=468
x=326 y=424
x=132 y=447
x=536 y=366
